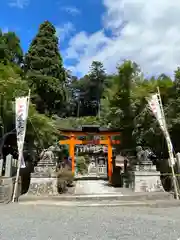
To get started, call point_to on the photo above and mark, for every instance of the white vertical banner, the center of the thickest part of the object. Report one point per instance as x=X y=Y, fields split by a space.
x=21 y=120
x=156 y=108
x=22 y=107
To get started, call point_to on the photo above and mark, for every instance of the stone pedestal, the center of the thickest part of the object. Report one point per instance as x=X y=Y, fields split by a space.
x=43 y=186
x=146 y=178
x=43 y=179
x=43 y=172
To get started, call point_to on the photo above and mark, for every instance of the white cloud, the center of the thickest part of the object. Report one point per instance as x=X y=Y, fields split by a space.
x=19 y=3
x=147 y=32
x=64 y=31
x=71 y=10
x=5 y=30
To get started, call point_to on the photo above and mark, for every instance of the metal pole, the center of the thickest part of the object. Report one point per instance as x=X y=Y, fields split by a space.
x=17 y=177
x=171 y=155
x=78 y=108
x=99 y=109
x=2 y=114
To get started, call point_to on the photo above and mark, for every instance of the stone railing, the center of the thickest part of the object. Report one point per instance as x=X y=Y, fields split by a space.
x=98 y=170
x=8 y=169
x=102 y=170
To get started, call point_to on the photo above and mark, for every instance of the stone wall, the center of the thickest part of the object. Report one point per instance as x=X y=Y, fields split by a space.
x=6 y=189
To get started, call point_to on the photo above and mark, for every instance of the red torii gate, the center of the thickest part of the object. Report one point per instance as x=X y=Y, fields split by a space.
x=72 y=140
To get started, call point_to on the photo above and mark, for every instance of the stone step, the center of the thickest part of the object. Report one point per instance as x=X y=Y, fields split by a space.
x=102 y=203
x=46 y=162
x=131 y=197
x=44 y=165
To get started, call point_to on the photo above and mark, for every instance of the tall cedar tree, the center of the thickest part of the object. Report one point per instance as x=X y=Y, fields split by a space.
x=91 y=87
x=44 y=70
x=97 y=77
x=121 y=103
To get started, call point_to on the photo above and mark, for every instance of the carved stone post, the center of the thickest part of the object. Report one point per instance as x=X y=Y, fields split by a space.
x=8 y=168
x=1 y=166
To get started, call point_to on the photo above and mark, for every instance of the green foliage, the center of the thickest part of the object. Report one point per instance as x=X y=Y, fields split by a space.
x=11 y=86
x=89 y=90
x=65 y=178
x=73 y=122
x=120 y=104
x=44 y=70
x=97 y=77
x=125 y=106
x=42 y=132
x=41 y=129
x=10 y=49
x=146 y=129
x=81 y=165
x=61 y=100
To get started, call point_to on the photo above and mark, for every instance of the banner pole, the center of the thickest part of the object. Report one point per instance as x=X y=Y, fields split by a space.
x=17 y=177
x=28 y=102
x=20 y=155
x=169 y=144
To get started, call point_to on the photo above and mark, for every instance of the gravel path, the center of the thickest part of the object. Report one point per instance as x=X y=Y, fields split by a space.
x=19 y=222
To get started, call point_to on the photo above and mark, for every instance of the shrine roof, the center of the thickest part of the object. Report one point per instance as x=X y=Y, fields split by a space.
x=90 y=129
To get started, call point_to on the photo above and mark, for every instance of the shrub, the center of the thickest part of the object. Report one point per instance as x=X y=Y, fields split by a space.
x=64 y=179
x=81 y=165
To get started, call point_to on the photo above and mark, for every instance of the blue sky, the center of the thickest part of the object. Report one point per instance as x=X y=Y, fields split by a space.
x=25 y=16
x=103 y=30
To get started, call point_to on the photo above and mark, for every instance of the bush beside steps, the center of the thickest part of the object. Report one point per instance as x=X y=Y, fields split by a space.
x=65 y=179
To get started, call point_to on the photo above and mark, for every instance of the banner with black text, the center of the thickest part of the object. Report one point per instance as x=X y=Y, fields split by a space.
x=157 y=110
x=21 y=120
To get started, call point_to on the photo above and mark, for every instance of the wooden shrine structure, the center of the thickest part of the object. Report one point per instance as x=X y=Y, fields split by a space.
x=73 y=134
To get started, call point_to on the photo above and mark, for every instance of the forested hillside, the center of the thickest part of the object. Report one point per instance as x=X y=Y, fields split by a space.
x=60 y=99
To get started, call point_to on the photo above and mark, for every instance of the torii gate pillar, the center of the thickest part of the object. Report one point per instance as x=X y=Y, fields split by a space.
x=72 y=141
